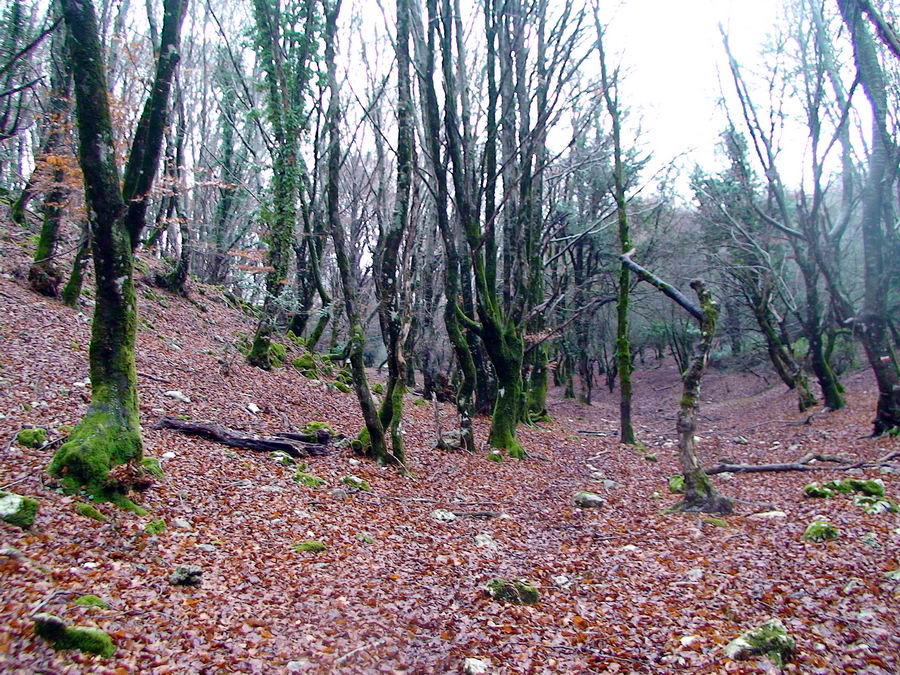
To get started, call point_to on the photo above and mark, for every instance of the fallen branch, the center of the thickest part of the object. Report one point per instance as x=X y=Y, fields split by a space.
x=295 y=447
x=802 y=464
x=155 y=378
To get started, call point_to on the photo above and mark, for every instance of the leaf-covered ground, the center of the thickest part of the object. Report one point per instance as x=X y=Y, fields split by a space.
x=623 y=588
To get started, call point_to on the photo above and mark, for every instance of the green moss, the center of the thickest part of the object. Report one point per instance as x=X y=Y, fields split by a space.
x=872 y=488
x=419 y=401
x=306 y=366
x=91 y=601
x=315 y=426
x=356 y=482
x=309 y=546
x=817 y=491
x=60 y=636
x=876 y=505
x=365 y=538
x=820 y=530
x=17 y=510
x=650 y=457
x=342 y=387
x=152 y=466
x=295 y=339
x=308 y=479
x=89 y=511
x=842 y=486
x=277 y=353
x=495 y=456
x=378 y=388
x=281 y=457
x=32 y=438
x=676 y=484
x=345 y=376
x=769 y=639
x=718 y=522
x=155 y=527
x=108 y=435
x=519 y=592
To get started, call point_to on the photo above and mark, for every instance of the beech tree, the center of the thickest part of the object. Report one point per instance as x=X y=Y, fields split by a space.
x=110 y=433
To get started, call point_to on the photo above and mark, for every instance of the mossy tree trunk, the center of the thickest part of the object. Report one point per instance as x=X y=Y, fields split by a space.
x=465 y=395
x=43 y=274
x=392 y=315
x=623 y=344
x=72 y=290
x=285 y=59
x=110 y=432
x=878 y=216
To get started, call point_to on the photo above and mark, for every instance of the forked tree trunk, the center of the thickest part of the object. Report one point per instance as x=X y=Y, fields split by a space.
x=110 y=432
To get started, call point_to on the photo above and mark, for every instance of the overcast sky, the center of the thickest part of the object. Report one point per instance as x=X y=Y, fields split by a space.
x=672 y=54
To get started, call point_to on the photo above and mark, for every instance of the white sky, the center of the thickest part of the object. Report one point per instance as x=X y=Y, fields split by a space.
x=672 y=56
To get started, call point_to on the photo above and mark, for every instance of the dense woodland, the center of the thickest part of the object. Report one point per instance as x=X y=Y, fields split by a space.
x=246 y=244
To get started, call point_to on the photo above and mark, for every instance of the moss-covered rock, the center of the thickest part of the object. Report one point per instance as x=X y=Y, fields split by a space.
x=769 y=639
x=308 y=479
x=519 y=591
x=876 y=505
x=356 y=482
x=815 y=490
x=281 y=457
x=676 y=484
x=872 y=488
x=155 y=527
x=378 y=388
x=309 y=546
x=152 y=466
x=89 y=511
x=342 y=387
x=651 y=457
x=187 y=575
x=306 y=366
x=716 y=522
x=91 y=601
x=32 y=438
x=315 y=426
x=17 y=510
x=820 y=530
x=842 y=486
x=277 y=354
x=495 y=455
x=60 y=636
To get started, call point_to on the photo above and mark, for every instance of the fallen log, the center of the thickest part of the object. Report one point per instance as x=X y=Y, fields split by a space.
x=295 y=447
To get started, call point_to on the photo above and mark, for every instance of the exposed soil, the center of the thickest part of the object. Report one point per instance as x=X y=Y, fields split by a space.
x=623 y=588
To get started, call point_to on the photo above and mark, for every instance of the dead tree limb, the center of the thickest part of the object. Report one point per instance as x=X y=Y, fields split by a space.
x=667 y=288
x=292 y=444
x=805 y=463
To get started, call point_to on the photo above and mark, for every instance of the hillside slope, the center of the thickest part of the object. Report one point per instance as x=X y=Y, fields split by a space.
x=623 y=588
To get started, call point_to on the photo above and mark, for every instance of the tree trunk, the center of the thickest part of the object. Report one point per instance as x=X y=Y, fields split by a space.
x=72 y=290
x=872 y=325
x=43 y=274
x=110 y=432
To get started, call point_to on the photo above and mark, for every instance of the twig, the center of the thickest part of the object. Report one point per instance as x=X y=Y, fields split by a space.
x=48 y=598
x=359 y=649
x=154 y=377
x=15 y=482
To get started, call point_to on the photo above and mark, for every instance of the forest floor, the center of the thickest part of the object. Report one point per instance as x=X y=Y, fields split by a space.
x=623 y=588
